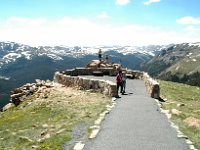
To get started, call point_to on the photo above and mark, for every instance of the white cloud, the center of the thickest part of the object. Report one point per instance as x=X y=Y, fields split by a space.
x=188 y=20
x=192 y=30
x=151 y=1
x=103 y=15
x=122 y=2
x=25 y=21
x=70 y=31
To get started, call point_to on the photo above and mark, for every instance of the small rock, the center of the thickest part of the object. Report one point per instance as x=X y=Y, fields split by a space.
x=180 y=105
x=60 y=131
x=45 y=125
x=95 y=127
x=79 y=146
x=176 y=112
x=39 y=140
x=94 y=133
x=47 y=136
x=43 y=133
x=189 y=142
x=34 y=146
x=34 y=126
x=25 y=138
x=182 y=136
x=98 y=121
x=192 y=147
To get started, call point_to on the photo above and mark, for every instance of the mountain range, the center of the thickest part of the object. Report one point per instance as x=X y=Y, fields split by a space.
x=179 y=63
x=20 y=64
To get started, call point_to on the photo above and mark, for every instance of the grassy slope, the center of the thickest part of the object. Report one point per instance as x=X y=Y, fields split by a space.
x=189 y=96
x=185 y=66
x=47 y=122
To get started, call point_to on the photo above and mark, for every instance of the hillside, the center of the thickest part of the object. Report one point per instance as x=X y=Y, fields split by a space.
x=55 y=120
x=178 y=63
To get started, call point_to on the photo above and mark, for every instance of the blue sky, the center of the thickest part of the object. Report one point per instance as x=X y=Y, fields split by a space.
x=99 y=22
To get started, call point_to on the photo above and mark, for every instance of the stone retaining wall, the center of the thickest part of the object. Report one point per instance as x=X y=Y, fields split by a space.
x=152 y=86
x=106 y=87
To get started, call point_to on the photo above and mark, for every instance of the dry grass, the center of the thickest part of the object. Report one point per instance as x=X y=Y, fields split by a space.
x=184 y=99
x=46 y=120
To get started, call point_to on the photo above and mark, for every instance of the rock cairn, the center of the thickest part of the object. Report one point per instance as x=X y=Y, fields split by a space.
x=96 y=64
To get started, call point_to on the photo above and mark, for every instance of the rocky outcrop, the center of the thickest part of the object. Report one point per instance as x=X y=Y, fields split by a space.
x=95 y=64
x=106 y=87
x=18 y=95
x=99 y=64
x=7 y=106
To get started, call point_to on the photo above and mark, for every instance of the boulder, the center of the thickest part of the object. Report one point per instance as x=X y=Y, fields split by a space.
x=93 y=64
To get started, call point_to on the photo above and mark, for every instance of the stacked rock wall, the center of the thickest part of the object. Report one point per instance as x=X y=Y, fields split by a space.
x=106 y=87
x=152 y=86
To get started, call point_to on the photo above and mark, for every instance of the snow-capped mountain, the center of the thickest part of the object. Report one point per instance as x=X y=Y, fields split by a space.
x=10 y=51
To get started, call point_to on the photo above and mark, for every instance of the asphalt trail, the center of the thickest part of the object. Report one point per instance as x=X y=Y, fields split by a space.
x=136 y=123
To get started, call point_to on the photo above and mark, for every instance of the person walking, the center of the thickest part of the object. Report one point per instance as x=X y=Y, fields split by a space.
x=119 y=82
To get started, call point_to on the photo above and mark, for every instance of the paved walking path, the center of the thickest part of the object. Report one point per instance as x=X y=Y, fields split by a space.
x=136 y=123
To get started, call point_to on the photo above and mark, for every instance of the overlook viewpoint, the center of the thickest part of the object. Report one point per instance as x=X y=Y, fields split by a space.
x=100 y=75
x=133 y=121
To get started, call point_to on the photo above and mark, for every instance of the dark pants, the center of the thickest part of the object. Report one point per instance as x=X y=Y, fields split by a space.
x=119 y=84
x=100 y=57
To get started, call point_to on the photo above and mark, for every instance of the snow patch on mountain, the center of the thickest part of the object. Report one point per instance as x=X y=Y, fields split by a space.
x=194 y=44
x=4 y=78
x=11 y=51
x=54 y=57
x=11 y=57
x=27 y=55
